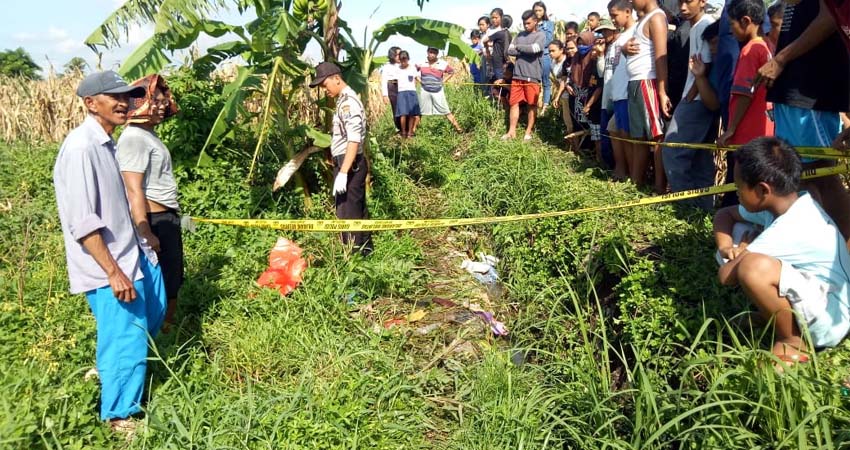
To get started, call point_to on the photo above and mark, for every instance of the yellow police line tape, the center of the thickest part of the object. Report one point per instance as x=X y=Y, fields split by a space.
x=810 y=152
x=469 y=83
x=386 y=225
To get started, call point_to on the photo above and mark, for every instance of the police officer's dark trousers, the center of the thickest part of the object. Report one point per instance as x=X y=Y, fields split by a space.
x=352 y=204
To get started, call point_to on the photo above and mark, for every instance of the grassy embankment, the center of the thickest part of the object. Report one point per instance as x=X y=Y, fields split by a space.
x=619 y=333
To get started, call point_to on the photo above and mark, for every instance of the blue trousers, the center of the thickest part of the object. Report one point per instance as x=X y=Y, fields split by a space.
x=122 y=340
x=547 y=80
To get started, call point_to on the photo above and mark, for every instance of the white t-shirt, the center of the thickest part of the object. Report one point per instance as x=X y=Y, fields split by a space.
x=388 y=73
x=807 y=239
x=407 y=78
x=141 y=151
x=698 y=46
x=620 y=77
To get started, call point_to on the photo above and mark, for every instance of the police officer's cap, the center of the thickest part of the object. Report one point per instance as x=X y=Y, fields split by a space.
x=324 y=70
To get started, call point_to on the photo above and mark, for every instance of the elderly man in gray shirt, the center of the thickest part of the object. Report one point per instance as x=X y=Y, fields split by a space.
x=106 y=260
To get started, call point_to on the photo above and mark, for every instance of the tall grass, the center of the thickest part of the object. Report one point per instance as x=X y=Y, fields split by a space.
x=620 y=337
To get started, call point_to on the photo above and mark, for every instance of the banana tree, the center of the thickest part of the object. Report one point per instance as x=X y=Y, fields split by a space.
x=271 y=46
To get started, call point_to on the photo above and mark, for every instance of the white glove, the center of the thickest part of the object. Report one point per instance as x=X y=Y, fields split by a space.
x=340 y=183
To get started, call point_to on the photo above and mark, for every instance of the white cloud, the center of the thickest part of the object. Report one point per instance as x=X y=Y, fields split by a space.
x=25 y=37
x=67 y=46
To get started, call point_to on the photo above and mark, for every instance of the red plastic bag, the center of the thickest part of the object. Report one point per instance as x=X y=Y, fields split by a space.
x=285 y=267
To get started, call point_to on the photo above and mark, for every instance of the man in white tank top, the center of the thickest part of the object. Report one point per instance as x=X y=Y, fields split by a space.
x=647 y=67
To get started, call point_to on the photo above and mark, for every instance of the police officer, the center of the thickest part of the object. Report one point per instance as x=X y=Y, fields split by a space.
x=349 y=131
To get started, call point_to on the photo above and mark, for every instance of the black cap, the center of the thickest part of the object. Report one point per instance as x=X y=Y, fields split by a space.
x=107 y=82
x=433 y=50
x=324 y=70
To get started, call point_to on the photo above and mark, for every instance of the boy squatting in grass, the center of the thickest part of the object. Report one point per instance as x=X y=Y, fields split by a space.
x=798 y=263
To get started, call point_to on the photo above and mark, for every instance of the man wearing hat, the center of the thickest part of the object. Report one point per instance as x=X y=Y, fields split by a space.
x=105 y=261
x=432 y=98
x=350 y=167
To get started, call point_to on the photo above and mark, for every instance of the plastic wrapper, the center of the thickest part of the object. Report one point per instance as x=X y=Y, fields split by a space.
x=286 y=267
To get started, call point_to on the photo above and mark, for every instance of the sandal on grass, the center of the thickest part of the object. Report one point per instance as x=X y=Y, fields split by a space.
x=124 y=427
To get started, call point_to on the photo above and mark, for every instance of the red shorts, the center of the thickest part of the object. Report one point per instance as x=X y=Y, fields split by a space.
x=524 y=91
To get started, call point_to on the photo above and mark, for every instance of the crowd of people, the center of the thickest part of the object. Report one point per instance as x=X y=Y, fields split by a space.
x=653 y=75
x=767 y=80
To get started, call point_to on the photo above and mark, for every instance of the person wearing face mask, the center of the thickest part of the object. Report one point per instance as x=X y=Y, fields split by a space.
x=145 y=164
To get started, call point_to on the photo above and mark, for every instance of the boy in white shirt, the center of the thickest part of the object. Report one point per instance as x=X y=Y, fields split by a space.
x=798 y=267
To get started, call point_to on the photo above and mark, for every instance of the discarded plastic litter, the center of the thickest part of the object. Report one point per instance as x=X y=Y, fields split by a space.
x=350 y=298
x=428 y=328
x=285 y=267
x=475 y=266
x=488 y=259
x=498 y=328
x=482 y=271
x=416 y=316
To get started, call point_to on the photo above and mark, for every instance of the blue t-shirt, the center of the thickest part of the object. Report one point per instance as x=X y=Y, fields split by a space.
x=807 y=239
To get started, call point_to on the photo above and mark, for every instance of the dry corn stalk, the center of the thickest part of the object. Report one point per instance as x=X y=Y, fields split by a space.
x=39 y=110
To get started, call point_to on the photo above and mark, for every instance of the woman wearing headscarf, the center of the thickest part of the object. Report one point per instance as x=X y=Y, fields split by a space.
x=145 y=165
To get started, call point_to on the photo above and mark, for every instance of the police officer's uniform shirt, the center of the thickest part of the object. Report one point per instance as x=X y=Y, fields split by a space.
x=349 y=123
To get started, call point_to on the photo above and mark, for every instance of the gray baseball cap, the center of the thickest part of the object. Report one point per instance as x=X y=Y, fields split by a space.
x=107 y=82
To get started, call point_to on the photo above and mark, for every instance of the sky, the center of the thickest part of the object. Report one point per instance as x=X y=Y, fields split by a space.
x=53 y=31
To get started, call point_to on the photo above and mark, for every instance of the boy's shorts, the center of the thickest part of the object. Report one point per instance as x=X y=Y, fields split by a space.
x=434 y=103
x=644 y=110
x=524 y=91
x=809 y=297
x=611 y=126
x=806 y=127
x=621 y=116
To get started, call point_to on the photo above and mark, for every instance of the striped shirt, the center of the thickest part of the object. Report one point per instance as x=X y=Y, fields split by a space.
x=431 y=75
